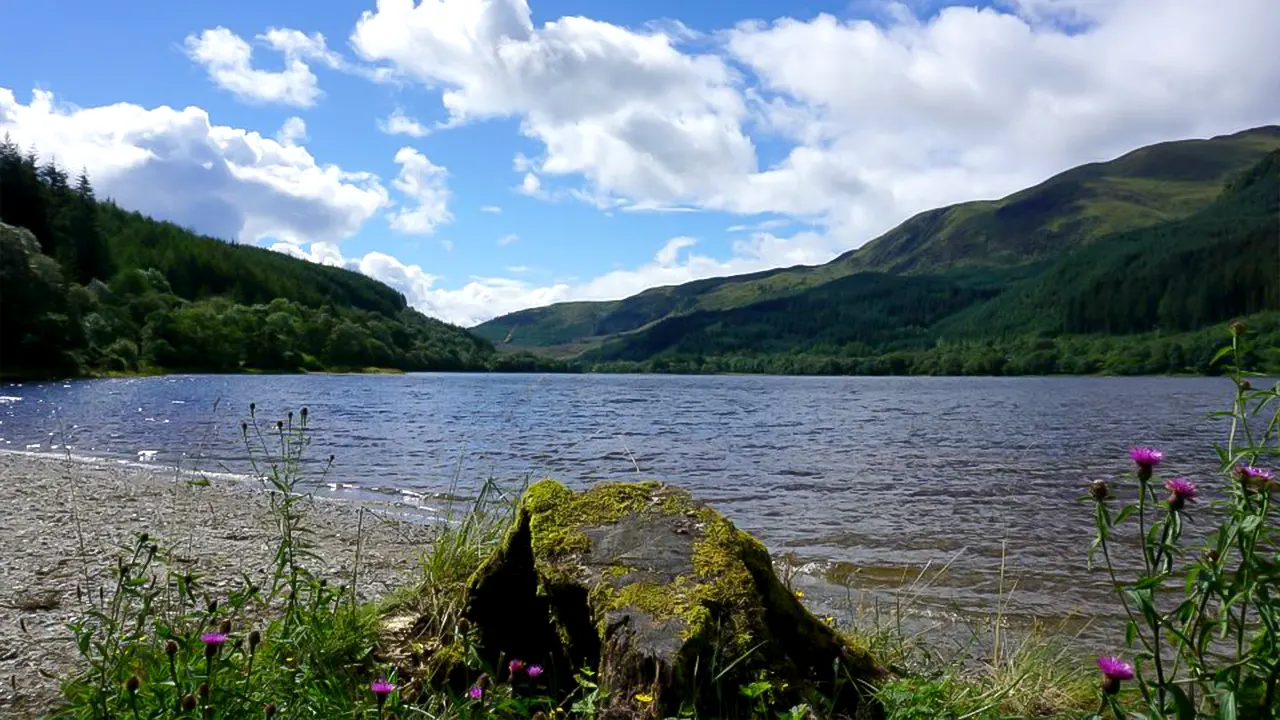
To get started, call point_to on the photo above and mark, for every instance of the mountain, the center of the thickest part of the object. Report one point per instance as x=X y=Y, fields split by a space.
x=86 y=287
x=984 y=245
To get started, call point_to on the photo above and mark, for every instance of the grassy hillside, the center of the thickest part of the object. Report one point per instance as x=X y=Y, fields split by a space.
x=963 y=242
x=87 y=287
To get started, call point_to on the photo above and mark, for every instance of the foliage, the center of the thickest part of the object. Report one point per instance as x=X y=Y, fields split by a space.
x=1204 y=628
x=86 y=287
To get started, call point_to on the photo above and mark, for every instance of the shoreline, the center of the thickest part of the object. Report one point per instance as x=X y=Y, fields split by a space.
x=67 y=516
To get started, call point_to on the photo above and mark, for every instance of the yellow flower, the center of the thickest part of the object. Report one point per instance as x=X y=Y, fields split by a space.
x=800 y=593
x=644 y=697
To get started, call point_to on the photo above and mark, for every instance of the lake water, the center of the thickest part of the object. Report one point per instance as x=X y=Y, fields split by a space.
x=886 y=475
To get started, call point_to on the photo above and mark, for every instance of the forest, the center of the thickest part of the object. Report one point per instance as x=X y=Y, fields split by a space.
x=87 y=287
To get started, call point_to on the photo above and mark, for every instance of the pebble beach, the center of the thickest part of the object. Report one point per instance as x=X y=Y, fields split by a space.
x=66 y=519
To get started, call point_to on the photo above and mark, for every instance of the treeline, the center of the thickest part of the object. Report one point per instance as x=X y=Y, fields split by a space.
x=86 y=287
x=1149 y=354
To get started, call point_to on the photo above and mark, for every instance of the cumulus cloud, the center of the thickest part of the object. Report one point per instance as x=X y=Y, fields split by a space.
x=397 y=123
x=881 y=119
x=626 y=109
x=178 y=166
x=292 y=131
x=423 y=185
x=228 y=59
x=507 y=239
x=491 y=209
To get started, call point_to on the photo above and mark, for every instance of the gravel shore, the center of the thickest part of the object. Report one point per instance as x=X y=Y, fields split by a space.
x=64 y=521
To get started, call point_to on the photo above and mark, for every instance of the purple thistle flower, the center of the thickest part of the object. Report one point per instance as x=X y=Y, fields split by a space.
x=1254 y=478
x=1181 y=492
x=381 y=688
x=213 y=639
x=476 y=692
x=1113 y=671
x=535 y=671
x=1146 y=458
x=515 y=666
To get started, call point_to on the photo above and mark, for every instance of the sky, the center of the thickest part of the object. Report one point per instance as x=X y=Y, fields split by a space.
x=486 y=156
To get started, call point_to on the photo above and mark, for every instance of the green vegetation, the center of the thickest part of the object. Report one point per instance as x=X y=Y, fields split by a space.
x=1203 y=627
x=86 y=287
x=1126 y=267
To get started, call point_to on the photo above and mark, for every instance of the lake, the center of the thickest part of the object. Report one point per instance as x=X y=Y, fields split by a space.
x=886 y=475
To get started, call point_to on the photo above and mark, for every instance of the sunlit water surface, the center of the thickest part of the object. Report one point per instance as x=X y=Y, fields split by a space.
x=879 y=477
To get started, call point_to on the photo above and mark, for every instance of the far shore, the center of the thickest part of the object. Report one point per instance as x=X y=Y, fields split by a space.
x=66 y=519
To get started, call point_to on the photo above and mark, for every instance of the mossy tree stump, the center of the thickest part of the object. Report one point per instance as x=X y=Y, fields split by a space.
x=669 y=602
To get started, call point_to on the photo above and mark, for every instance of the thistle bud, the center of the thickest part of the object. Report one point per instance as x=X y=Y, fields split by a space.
x=132 y=684
x=143 y=538
x=269 y=710
x=255 y=637
x=304 y=413
x=225 y=627
x=244 y=428
x=253 y=407
x=1237 y=328
x=203 y=691
x=279 y=425
x=171 y=649
x=1099 y=490
x=188 y=703
x=213 y=606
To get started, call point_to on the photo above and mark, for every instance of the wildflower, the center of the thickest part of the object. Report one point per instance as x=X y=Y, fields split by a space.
x=188 y=703
x=171 y=649
x=1237 y=328
x=1099 y=490
x=1181 y=492
x=381 y=689
x=476 y=692
x=212 y=642
x=515 y=666
x=225 y=627
x=255 y=638
x=1146 y=459
x=800 y=594
x=269 y=710
x=535 y=671
x=644 y=697
x=132 y=684
x=1113 y=671
x=203 y=691
x=1254 y=478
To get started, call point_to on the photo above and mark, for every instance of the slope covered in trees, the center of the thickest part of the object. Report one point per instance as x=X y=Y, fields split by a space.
x=977 y=242
x=86 y=286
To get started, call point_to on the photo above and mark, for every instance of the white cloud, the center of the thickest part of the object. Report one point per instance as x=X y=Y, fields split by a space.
x=447 y=245
x=177 y=165
x=507 y=239
x=228 y=60
x=880 y=120
x=292 y=132
x=491 y=209
x=626 y=109
x=397 y=123
x=423 y=183
x=517 y=269
x=530 y=185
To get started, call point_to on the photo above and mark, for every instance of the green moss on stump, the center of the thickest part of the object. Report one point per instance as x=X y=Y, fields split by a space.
x=650 y=585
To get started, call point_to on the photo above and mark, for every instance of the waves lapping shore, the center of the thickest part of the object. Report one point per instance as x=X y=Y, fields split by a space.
x=65 y=520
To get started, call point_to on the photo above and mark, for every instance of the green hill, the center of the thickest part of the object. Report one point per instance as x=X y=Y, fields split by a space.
x=977 y=244
x=87 y=287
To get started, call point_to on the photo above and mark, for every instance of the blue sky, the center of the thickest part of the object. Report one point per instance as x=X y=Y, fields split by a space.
x=586 y=150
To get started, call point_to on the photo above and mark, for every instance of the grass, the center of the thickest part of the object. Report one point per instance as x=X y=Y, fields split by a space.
x=300 y=646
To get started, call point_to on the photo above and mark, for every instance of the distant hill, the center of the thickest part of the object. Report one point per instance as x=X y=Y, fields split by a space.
x=985 y=244
x=87 y=287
